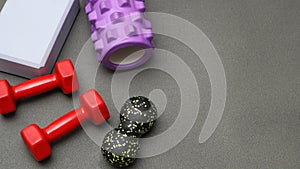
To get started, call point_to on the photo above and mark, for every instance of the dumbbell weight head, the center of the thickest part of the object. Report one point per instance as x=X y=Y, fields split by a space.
x=7 y=100
x=67 y=77
x=35 y=140
x=138 y=115
x=119 y=149
x=95 y=107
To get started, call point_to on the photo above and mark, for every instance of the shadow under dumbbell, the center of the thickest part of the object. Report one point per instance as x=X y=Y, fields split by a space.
x=32 y=100
x=9 y=115
x=65 y=138
x=31 y=159
x=45 y=162
x=29 y=101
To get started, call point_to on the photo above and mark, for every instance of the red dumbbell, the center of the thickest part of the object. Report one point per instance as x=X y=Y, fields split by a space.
x=64 y=78
x=38 y=140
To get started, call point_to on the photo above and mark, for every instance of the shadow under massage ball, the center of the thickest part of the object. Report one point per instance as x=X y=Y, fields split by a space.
x=121 y=33
x=137 y=117
x=119 y=149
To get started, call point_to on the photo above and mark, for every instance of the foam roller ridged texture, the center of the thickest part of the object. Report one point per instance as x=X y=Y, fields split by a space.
x=118 y=24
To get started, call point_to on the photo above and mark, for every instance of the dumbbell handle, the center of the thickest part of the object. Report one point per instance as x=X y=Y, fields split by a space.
x=35 y=86
x=65 y=124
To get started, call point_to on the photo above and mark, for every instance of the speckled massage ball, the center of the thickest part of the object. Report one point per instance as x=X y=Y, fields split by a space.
x=119 y=149
x=137 y=116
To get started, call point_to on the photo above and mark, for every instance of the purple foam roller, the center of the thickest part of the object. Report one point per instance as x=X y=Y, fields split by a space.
x=121 y=33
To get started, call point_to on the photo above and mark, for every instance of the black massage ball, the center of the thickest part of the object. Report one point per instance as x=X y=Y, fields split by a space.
x=137 y=116
x=119 y=149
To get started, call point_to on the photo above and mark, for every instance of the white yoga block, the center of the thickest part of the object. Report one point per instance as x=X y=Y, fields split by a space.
x=32 y=33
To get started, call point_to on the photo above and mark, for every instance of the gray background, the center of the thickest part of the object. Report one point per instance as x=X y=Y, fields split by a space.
x=258 y=42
